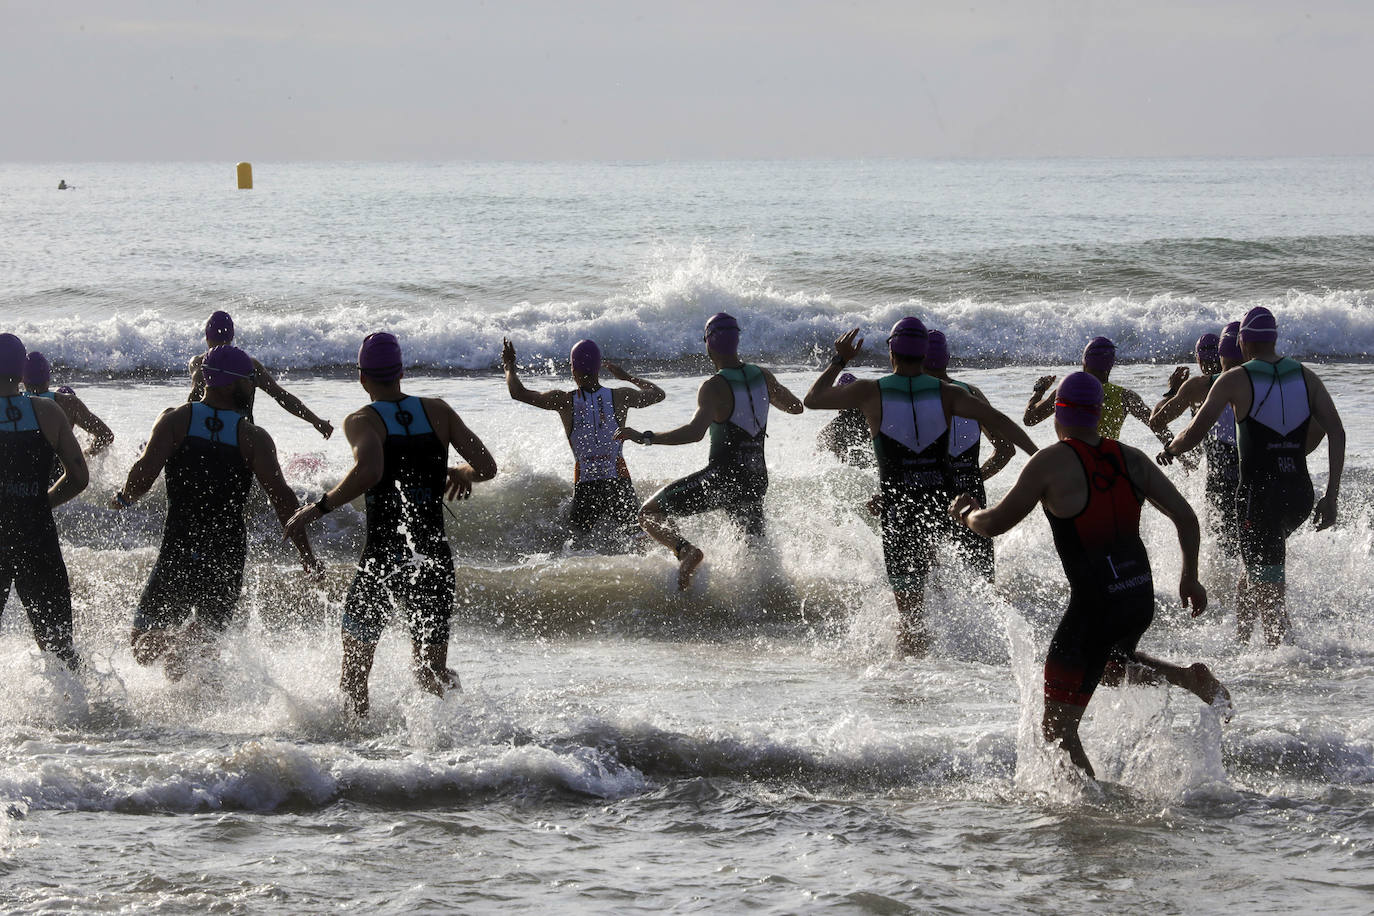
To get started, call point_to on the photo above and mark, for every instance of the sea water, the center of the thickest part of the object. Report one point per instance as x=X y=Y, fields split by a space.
x=755 y=743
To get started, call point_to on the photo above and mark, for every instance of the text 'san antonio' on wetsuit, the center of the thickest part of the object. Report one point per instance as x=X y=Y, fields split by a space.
x=966 y=476
x=204 y=538
x=601 y=481
x=912 y=452
x=1223 y=477
x=735 y=478
x=30 y=556
x=406 y=559
x=1274 y=495
x=1111 y=590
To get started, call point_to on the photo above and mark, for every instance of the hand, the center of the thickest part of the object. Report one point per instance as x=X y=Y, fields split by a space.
x=459 y=482
x=1192 y=592
x=325 y=428
x=1165 y=457
x=625 y=432
x=1178 y=377
x=297 y=523
x=507 y=354
x=961 y=506
x=614 y=369
x=1325 y=514
x=846 y=348
x=875 y=505
x=1043 y=383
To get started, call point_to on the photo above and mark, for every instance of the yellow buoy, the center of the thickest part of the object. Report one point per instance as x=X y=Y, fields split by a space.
x=245 y=170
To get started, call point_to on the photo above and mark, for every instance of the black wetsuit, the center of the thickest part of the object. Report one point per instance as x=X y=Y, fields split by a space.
x=1111 y=589
x=406 y=559
x=30 y=556
x=735 y=478
x=1275 y=494
x=966 y=476
x=847 y=437
x=204 y=539
x=912 y=452
x=1223 y=478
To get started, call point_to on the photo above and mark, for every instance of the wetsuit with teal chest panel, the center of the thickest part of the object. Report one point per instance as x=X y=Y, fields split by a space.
x=1223 y=477
x=1274 y=495
x=204 y=538
x=966 y=476
x=30 y=556
x=735 y=478
x=406 y=559
x=912 y=452
x=1111 y=588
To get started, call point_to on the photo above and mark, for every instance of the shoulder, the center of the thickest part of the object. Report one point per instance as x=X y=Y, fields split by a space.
x=194 y=362
x=45 y=408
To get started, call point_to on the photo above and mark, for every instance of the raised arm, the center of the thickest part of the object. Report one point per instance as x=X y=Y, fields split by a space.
x=1040 y=407
x=647 y=395
x=288 y=401
x=58 y=432
x=545 y=400
x=823 y=394
x=262 y=452
x=1324 y=414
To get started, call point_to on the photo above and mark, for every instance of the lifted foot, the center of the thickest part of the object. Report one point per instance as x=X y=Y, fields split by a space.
x=689 y=558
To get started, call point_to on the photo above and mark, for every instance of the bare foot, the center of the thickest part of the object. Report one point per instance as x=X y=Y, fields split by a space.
x=688 y=561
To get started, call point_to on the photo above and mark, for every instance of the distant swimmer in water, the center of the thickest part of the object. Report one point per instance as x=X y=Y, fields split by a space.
x=908 y=415
x=847 y=436
x=1276 y=400
x=219 y=330
x=63 y=186
x=603 y=494
x=1099 y=356
x=400 y=452
x=37 y=378
x=732 y=406
x=967 y=475
x=211 y=452
x=1214 y=356
x=33 y=433
x=1092 y=489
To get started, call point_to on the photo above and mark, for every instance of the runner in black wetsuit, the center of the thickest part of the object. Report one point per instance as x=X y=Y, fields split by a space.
x=847 y=436
x=733 y=406
x=1275 y=399
x=211 y=453
x=400 y=449
x=1092 y=490
x=603 y=494
x=967 y=475
x=908 y=414
x=33 y=433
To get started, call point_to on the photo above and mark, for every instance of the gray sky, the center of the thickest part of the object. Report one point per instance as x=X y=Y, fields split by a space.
x=596 y=79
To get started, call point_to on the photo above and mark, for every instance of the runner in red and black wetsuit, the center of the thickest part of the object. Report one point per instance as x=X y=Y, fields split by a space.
x=1092 y=490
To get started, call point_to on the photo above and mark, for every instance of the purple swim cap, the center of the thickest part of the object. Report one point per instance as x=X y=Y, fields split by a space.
x=219 y=329
x=37 y=372
x=12 y=357
x=586 y=357
x=379 y=357
x=1259 y=326
x=1099 y=355
x=846 y=378
x=224 y=365
x=1229 y=347
x=1078 y=401
x=1206 y=349
x=937 y=351
x=908 y=338
x=722 y=334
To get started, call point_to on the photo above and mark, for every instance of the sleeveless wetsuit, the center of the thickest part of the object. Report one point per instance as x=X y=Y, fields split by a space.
x=30 y=556
x=1223 y=477
x=735 y=478
x=1111 y=590
x=912 y=452
x=1274 y=495
x=601 y=481
x=406 y=559
x=1113 y=411
x=204 y=538
x=966 y=476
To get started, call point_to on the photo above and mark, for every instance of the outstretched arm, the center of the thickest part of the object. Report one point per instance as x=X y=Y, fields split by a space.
x=1023 y=496
x=1135 y=406
x=648 y=393
x=963 y=404
x=1171 y=406
x=1206 y=417
x=780 y=397
x=267 y=469
x=708 y=402
x=365 y=435
x=545 y=400
x=289 y=402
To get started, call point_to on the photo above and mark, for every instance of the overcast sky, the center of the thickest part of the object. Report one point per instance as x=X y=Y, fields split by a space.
x=596 y=79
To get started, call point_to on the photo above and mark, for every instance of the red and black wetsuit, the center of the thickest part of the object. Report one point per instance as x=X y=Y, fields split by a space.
x=1111 y=591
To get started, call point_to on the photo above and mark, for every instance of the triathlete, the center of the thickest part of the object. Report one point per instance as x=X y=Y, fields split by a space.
x=37 y=378
x=1099 y=356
